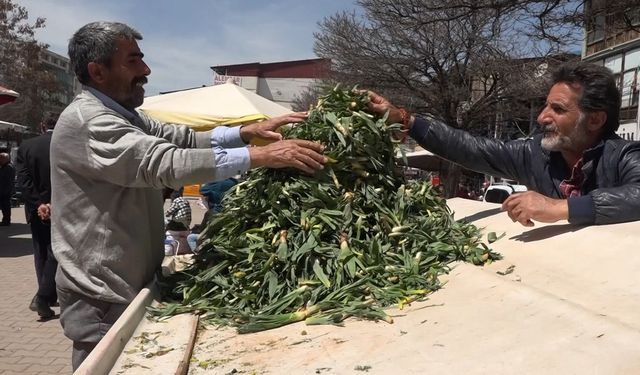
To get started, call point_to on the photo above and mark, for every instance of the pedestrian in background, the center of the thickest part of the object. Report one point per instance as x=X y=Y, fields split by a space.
x=34 y=180
x=178 y=215
x=177 y=220
x=214 y=192
x=7 y=182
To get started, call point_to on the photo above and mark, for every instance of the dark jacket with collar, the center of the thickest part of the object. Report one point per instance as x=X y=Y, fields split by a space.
x=7 y=175
x=611 y=189
x=34 y=171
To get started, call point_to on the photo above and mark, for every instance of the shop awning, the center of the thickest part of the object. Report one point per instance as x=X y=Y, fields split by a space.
x=7 y=95
x=206 y=107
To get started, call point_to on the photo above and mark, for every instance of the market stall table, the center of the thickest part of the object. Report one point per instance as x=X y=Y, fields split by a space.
x=564 y=300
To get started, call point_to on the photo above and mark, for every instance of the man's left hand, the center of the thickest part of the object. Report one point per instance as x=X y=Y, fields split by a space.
x=267 y=129
x=528 y=206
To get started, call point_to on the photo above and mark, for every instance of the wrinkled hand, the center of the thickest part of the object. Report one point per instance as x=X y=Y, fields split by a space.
x=380 y=106
x=44 y=211
x=267 y=129
x=297 y=153
x=528 y=206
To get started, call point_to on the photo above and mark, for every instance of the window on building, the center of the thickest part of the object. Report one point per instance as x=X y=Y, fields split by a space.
x=618 y=83
x=632 y=59
x=596 y=20
x=630 y=88
x=630 y=81
x=632 y=16
x=595 y=28
x=614 y=63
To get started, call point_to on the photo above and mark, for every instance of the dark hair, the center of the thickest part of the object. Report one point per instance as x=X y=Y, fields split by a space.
x=96 y=42
x=50 y=120
x=170 y=193
x=177 y=193
x=599 y=90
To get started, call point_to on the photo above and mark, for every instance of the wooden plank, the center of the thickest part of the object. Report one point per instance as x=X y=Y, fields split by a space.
x=183 y=366
x=159 y=347
x=105 y=354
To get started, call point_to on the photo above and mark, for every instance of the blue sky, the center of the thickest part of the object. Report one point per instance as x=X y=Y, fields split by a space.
x=182 y=39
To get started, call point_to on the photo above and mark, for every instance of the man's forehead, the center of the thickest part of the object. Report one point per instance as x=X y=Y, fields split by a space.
x=564 y=92
x=128 y=46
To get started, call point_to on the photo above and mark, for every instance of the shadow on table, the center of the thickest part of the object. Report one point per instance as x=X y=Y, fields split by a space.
x=481 y=215
x=545 y=232
x=15 y=241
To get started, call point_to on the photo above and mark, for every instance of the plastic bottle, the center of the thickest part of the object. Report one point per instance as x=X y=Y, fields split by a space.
x=169 y=244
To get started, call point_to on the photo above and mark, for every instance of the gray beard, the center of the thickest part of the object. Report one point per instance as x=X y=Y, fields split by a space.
x=575 y=140
x=555 y=142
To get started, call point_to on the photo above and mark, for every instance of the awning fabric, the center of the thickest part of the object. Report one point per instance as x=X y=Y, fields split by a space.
x=15 y=127
x=7 y=95
x=206 y=107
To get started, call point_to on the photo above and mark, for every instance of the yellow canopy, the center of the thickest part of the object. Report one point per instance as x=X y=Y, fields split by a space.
x=207 y=107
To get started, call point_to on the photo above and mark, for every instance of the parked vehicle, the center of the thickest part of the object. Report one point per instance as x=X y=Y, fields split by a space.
x=498 y=192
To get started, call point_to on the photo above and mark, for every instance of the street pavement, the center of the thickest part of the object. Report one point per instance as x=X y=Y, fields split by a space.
x=27 y=345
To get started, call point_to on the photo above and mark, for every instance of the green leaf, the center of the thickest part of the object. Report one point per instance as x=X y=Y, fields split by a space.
x=317 y=269
x=492 y=237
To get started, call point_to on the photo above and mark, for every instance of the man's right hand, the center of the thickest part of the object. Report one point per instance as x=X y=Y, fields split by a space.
x=266 y=130
x=380 y=106
x=297 y=153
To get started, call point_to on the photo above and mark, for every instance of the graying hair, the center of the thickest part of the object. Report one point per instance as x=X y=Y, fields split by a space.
x=96 y=42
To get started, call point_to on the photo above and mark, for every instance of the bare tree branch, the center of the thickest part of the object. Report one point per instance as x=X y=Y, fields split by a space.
x=461 y=60
x=21 y=68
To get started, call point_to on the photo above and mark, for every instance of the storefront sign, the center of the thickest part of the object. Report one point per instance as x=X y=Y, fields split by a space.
x=220 y=79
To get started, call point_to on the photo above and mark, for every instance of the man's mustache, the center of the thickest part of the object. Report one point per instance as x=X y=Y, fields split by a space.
x=549 y=128
x=140 y=80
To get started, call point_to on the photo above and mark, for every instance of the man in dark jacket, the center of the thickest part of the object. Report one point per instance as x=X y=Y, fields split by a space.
x=35 y=182
x=577 y=169
x=7 y=178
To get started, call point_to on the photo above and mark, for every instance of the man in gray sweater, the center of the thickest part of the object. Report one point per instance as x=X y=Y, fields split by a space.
x=109 y=164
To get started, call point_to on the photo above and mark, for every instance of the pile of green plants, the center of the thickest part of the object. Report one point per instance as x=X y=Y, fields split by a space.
x=346 y=242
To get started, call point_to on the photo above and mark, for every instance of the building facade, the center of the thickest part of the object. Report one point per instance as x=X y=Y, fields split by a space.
x=280 y=82
x=68 y=85
x=613 y=40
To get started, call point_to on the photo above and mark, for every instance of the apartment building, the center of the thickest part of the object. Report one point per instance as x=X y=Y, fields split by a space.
x=279 y=82
x=68 y=85
x=613 y=40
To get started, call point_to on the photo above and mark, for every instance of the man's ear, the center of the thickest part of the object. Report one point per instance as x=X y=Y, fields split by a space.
x=96 y=72
x=596 y=120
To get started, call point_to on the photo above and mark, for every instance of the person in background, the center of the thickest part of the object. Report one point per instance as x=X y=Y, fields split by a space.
x=178 y=215
x=7 y=181
x=34 y=180
x=177 y=220
x=212 y=192
x=462 y=191
x=109 y=164
x=576 y=169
